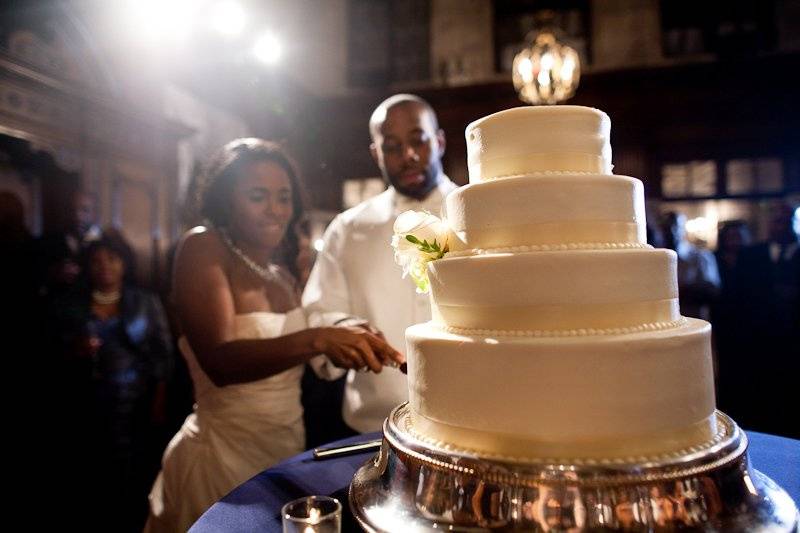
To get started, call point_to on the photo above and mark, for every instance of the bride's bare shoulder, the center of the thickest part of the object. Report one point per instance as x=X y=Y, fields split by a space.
x=200 y=241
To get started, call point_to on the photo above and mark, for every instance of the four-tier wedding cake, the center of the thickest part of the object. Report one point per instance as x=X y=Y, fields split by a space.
x=556 y=331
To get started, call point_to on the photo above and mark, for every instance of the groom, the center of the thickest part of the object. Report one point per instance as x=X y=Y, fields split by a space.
x=355 y=280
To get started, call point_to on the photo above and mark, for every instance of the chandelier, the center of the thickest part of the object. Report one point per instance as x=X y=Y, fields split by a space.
x=546 y=71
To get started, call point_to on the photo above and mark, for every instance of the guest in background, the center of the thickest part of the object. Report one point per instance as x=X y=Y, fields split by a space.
x=355 y=279
x=655 y=237
x=698 y=277
x=58 y=253
x=726 y=312
x=12 y=220
x=768 y=292
x=16 y=248
x=245 y=338
x=732 y=236
x=115 y=357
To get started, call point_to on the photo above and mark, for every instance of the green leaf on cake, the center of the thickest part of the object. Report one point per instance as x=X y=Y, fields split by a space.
x=433 y=248
x=422 y=283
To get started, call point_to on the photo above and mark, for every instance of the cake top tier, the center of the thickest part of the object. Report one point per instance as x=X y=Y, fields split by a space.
x=529 y=140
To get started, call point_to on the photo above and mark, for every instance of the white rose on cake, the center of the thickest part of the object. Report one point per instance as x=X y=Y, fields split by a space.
x=419 y=238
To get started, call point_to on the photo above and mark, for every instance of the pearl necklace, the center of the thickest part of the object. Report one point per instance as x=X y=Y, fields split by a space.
x=267 y=273
x=105 y=298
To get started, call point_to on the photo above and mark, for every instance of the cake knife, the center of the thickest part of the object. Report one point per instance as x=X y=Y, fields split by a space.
x=346 y=449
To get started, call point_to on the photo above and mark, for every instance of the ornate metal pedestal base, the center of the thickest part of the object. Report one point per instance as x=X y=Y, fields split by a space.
x=411 y=486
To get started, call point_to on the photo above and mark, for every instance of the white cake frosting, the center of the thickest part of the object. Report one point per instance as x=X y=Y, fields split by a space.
x=556 y=330
x=555 y=290
x=547 y=209
x=562 y=139
x=563 y=396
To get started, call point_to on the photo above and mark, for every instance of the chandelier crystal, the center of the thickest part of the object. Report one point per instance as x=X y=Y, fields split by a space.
x=547 y=71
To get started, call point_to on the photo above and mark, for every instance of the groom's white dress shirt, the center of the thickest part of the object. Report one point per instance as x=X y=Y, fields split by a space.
x=355 y=275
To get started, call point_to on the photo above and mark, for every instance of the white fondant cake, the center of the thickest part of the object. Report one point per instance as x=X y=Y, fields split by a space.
x=556 y=331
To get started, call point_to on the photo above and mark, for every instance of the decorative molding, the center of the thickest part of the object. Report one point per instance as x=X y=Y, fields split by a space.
x=60 y=61
x=33 y=105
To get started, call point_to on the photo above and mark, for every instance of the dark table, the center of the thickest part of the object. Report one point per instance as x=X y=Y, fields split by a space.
x=256 y=504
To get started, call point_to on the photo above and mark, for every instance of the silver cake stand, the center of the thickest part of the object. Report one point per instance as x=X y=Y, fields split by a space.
x=412 y=485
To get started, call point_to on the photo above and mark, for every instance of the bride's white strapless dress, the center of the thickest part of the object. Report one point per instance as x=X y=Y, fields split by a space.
x=234 y=433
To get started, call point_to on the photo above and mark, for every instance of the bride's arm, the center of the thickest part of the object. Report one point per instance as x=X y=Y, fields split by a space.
x=206 y=311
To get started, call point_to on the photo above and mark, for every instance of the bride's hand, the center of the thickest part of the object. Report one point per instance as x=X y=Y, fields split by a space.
x=360 y=323
x=355 y=347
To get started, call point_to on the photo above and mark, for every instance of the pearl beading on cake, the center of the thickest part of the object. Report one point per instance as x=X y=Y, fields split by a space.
x=723 y=432
x=543 y=173
x=581 y=332
x=422 y=458
x=550 y=248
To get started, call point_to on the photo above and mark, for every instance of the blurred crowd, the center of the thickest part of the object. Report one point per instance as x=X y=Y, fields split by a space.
x=750 y=292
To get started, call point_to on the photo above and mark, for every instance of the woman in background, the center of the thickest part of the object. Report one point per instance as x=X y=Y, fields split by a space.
x=115 y=355
x=245 y=339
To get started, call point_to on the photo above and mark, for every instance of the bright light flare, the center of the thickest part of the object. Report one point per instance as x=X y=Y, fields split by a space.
x=268 y=48
x=156 y=19
x=228 y=18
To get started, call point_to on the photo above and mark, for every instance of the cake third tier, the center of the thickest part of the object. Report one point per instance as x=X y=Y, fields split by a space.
x=555 y=290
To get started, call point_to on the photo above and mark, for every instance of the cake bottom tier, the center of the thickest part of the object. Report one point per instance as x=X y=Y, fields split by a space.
x=642 y=395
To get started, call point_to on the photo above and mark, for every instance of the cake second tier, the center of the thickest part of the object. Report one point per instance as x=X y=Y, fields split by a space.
x=533 y=210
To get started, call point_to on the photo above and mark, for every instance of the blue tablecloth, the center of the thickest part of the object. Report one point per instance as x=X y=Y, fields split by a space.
x=256 y=504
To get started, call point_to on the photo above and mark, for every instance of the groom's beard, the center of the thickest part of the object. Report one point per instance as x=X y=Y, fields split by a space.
x=420 y=190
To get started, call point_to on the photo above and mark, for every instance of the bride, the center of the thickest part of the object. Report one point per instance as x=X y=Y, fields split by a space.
x=245 y=338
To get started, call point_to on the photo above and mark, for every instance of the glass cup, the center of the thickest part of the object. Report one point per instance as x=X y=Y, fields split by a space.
x=312 y=514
